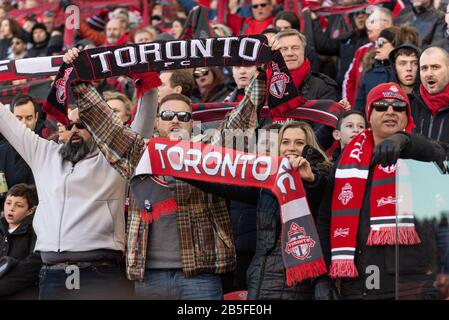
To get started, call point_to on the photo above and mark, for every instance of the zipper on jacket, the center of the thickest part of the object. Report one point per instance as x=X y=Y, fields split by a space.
x=63 y=207
x=262 y=275
x=429 y=134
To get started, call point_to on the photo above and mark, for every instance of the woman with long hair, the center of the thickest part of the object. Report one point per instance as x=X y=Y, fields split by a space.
x=266 y=277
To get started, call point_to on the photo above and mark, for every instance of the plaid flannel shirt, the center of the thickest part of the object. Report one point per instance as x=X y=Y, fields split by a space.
x=203 y=222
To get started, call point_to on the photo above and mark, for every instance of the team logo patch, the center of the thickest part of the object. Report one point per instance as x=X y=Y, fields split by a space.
x=341 y=232
x=346 y=194
x=394 y=89
x=278 y=84
x=61 y=84
x=299 y=243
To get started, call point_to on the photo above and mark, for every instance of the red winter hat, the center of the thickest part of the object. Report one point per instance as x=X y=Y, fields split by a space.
x=390 y=90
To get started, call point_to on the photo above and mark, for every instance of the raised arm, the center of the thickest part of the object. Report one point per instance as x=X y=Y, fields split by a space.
x=121 y=146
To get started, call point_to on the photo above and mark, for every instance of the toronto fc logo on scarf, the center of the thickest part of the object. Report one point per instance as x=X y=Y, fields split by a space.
x=299 y=243
x=278 y=82
x=60 y=86
x=346 y=194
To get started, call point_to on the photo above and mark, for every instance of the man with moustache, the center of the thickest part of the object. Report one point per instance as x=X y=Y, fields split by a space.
x=79 y=222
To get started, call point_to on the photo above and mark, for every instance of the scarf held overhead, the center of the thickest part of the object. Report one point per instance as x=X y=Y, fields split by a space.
x=301 y=250
x=350 y=188
x=104 y=62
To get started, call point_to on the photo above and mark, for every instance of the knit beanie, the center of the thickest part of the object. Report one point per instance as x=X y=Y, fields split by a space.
x=390 y=90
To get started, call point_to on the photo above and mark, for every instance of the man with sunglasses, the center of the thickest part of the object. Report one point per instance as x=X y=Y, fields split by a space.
x=79 y=221
x=262 y=11
x=173 y=253
x=378 y=20
x=18 y=46
x=370 y=158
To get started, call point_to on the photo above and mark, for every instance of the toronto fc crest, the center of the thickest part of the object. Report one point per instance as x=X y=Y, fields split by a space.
x=299 y=243
x=346 y=194
x=278 y=82
x=60 y=86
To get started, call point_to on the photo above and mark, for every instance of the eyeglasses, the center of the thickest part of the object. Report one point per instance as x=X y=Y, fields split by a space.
x=183 y=116
x=382 y=106
x=198 y=73
x=380 y=42
x=78 y=125
x=262 y=5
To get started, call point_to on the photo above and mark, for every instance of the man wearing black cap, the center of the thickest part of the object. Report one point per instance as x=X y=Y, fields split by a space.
x=39 y=39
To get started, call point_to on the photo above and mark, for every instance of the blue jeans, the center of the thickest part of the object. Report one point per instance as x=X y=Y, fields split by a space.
x=95 y=283
x=172 y=285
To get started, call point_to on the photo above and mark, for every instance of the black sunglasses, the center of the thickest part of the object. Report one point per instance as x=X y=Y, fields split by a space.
x=382 y=106
x=78 y=125
x=170 y=115
x=198 y=73
x=380 y=42
x=262 y=5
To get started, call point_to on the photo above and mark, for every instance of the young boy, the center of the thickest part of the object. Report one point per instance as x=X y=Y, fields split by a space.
x=19 y=266
x=349 y=125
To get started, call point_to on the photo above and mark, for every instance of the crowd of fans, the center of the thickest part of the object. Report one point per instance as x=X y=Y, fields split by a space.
x=386 y=62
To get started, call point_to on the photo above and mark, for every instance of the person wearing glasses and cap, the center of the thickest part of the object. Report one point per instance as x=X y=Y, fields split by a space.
x=262 y=18
x=361 y=190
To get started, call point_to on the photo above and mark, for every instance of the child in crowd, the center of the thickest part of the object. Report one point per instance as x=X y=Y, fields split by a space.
x=349 y=125
x=19 y=266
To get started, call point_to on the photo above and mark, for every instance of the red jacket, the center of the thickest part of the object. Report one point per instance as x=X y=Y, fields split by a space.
x=247 y=26
x=352 y=76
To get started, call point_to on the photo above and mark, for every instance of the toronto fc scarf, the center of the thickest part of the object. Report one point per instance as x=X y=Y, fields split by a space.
x=350 y=187
x=301 y=250
x=104 y=62
x=324 y=112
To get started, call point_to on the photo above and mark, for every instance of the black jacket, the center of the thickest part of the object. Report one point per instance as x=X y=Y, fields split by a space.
x=344 y=47
x=219 y=93
x=417 y=262
x=317 y=86
x=433 y=127
x=430 y=25
x=266 y=273
x=22 y=277
x=382 y=72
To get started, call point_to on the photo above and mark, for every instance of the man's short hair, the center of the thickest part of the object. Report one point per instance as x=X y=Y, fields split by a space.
x=115 y=95
x=182 y=78
x=347 y=114
x=178 y=97
x=20 y=99
x=405 y=52
x=25 y=191
x=433 y=49
x=291 y=32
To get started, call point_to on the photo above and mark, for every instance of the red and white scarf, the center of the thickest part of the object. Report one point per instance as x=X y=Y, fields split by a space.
x=301 y=250
x=350 y=187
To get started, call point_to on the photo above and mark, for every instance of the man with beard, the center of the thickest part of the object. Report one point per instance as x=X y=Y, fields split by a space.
x=79 y=222
x=431 y=110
